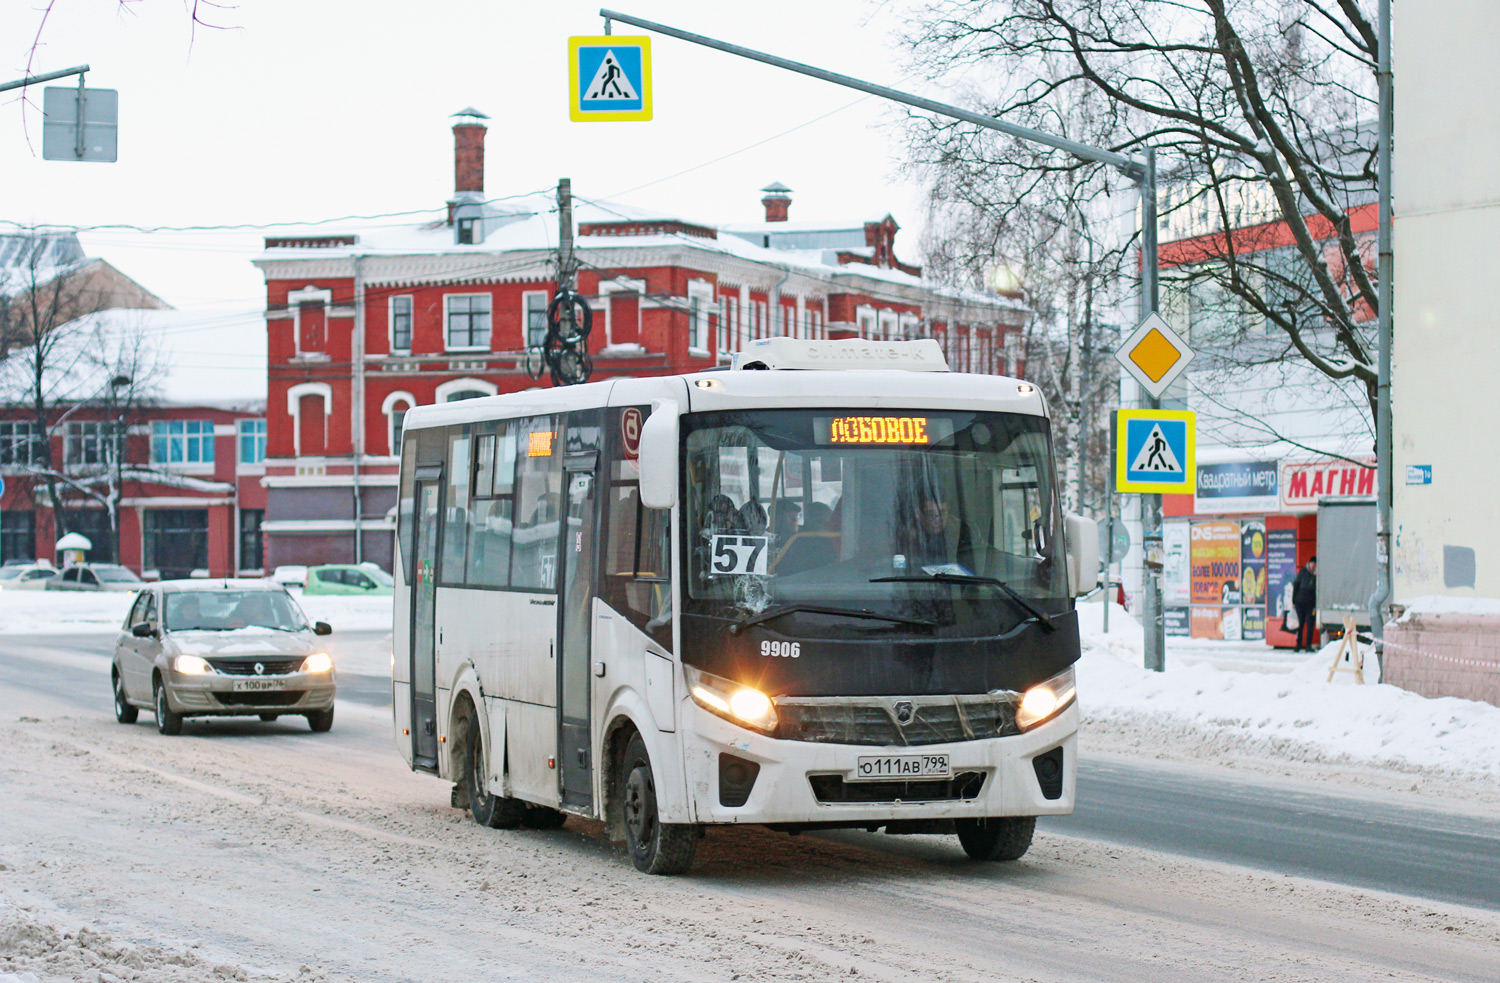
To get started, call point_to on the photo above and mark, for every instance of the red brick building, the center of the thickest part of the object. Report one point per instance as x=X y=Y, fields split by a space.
x=364 y=325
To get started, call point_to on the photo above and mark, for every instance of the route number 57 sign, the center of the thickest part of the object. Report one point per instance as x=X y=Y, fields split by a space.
x=739 y=554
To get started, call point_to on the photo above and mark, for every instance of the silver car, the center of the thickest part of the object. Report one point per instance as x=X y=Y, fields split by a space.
x=198 y=648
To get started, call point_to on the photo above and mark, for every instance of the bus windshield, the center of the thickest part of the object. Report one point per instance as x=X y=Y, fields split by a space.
x=912 y=516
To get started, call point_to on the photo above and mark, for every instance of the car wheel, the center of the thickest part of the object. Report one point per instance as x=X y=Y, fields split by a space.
x=271 y=717
x=488 y=809
x=997 y=837
x=655 y=847
x=321 y=721
x=124 y=712
x=543 y=817
x=167 y=722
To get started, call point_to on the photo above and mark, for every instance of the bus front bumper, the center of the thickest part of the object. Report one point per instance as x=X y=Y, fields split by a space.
x=805 y=782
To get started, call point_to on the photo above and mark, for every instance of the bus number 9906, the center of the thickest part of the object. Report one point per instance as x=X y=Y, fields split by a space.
x=781 y=650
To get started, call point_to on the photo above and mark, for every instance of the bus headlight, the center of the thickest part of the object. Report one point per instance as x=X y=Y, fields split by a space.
x=733 y=701
x=317 y=662
x=191 y=665
x=1045 y=700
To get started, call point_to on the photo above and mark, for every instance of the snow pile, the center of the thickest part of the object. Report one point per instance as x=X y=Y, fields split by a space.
x=1298 y=715
x=1441 y=604
x=32 y=950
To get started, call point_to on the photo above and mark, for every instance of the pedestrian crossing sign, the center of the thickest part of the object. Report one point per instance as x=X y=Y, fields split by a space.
x=1155 y=452
x=609 y=78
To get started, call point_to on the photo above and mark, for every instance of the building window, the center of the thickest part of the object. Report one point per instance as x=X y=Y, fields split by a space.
x=89 y=442
x=95 y=526
x=182 y=442
x=252 y=441
x=175 y=542
x=252 y=540
x=401 y=324
x=466 y=231
x=18 y=536
x=19 y=443
x=469 y=322
x=398 y=421
x=700 y=303
x=536 y=317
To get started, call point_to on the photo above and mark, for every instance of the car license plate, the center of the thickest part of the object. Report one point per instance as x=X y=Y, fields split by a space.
x=880 y=768
x=258 y=685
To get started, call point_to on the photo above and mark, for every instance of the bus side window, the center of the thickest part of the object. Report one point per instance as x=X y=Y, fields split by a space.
x=638 y=562
x=455 y=534
x=539 y=503
x=494 y=508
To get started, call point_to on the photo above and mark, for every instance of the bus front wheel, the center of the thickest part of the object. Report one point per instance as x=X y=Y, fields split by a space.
x=655 y=847
x=997 y=837
x=494 y=811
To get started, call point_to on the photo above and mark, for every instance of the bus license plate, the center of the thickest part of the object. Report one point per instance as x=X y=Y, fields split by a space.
x=258 y=685
x=900 y=766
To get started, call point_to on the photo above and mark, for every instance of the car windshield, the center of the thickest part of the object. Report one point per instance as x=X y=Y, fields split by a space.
x=11 y=573
x=906 y=514
x=229 y=610
x=116 y=575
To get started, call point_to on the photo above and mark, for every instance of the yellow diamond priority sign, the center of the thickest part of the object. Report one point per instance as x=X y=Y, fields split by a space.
x=1154 y=354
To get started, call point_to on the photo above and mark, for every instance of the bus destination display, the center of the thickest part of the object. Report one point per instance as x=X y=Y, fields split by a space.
x=864 y=431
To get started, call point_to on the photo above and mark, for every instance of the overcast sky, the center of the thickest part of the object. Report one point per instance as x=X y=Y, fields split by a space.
x=313 y=110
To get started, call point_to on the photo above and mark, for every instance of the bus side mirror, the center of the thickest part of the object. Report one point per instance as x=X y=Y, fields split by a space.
x=1083 y=553
x=658 y=456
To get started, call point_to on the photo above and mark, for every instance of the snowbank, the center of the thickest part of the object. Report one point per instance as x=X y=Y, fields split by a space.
x=37 y=612
x=1297 y=714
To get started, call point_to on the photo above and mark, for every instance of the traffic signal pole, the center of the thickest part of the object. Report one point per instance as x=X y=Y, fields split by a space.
x=1141 y=170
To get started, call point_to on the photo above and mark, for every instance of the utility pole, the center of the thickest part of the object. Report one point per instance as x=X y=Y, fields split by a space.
x=1383 y=421
x=566 y=271
x=1141 y=170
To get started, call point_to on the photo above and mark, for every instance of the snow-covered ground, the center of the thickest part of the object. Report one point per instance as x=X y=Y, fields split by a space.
x=36 y=612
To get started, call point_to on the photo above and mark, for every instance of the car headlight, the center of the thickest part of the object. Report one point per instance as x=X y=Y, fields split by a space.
x=733 y=701
x=191 y=665
x=318 y=662
x=1045 y=700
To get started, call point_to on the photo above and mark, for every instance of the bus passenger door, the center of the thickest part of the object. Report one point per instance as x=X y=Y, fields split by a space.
x=423 y=594
x=575 y=620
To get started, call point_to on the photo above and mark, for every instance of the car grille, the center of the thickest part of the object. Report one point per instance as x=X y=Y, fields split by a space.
x=271 y=665
x=878 y=720
x=833 y=788
x=276 y=698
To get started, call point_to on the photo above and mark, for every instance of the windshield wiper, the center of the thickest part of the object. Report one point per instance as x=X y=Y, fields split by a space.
x=970 y=579
x=894 y=619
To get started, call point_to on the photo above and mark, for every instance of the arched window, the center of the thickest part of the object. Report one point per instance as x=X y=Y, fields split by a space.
x=456 y=389
x=394 y=407
x=308 y=404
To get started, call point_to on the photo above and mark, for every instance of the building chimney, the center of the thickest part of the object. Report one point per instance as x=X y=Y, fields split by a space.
x=778 y=200
x=468 y=150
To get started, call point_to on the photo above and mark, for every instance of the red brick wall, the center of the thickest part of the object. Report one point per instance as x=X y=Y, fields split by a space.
x=1445 y=655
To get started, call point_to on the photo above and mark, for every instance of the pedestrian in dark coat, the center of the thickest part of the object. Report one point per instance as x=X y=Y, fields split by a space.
x=1305 y=600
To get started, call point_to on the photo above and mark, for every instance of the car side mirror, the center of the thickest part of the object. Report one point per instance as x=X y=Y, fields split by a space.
x=658 y=456
x=143 y=629
x=322 y=628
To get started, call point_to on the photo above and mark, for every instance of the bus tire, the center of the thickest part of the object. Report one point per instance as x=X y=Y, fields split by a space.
x=997 y=837
x=488 y=809
x=167 y=722
x=543 y=817
x=655 y=847
x=125 y=713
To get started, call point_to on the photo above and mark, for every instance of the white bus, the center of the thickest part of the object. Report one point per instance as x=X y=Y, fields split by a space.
x=835 y=593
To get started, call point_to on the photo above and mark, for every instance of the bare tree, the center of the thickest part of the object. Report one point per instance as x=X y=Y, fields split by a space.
x=1254 y=109
x=68 y=371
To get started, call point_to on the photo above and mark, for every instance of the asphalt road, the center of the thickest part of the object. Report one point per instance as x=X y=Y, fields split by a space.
x=1192 y=811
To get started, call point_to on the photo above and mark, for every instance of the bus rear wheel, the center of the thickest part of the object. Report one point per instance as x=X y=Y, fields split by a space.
x=494 y=811
x=997 y=837
x=655 y=847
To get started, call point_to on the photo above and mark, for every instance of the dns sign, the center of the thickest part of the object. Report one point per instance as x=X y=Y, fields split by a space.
x=630 y=431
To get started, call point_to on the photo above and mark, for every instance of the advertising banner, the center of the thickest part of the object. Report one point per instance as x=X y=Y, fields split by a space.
x=1304 y=482
x=1177 y=621
x=1240 y=486
x=1215 y=563
x=1281 y=570
x=1176 y=574
x=1217 y=622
